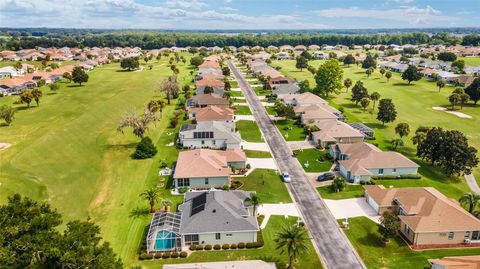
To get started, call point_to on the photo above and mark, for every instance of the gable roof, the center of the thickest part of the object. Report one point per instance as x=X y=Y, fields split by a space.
x=210 y=99
x=460 y=262
x=426 y=209
x=216 y=211
x=206 y=162
x=333 y=129
x=220 y=129
x=209 y=81
x=212 y=113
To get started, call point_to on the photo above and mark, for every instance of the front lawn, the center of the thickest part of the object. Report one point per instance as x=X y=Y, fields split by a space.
x=268 y=185
x=271 y=110
x=363 y=234
x=234 y=84
x=268 y=252
x=258 y=154
x=290 y=130
x=237 y=100
x=236 y=93
x=351 y=191
x=309 y=159
x=249 y=131
x=260 y=91
x=242 y=110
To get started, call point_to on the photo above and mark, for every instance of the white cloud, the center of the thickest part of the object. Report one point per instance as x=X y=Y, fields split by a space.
x=228 y=9
x=193 y=4
x=403 y=1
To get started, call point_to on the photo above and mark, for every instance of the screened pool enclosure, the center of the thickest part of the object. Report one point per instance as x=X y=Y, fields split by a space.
x=163 y=234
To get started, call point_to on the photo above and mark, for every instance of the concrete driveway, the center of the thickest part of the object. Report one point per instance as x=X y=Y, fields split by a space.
x=350 y=208
x=277 y=209
x=262 y=163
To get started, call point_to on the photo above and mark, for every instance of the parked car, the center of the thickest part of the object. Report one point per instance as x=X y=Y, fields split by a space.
x=286 y=177
x=326 y=176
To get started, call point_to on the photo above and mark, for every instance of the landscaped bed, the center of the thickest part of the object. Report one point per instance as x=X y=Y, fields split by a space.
x=290 y=130
x=249 y=131
x=363 y=234
x=314 y=160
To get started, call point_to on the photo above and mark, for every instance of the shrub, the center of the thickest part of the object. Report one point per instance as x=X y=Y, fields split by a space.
x=183 y=189
x=145 y=256
x=175 y=255
x=363 y=182
x=199 y=247
x=174 y=122
x=233 y=246
x=145 y=149
x=249 y=245
x=193 y=247
x=248 y=166
x=241 y=245
x=257 y=245
x=208 y=247
x=217 y=247
x=260 y=238
x=158 y=255
x=183 y=254
x=225 y=246
x=166 y=255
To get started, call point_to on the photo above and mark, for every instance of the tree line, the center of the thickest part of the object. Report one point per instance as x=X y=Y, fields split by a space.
x=155 y=40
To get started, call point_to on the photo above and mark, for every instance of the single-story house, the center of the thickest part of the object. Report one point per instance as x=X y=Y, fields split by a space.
x=283 y=85
x=211 y=113
x=311 y=108
x=10 y=72
x=207 y=168
x=428 y=218
x=209 y=134
x=206 y=81
x=205 y=100
x=360 y=161
x=283 y=55
x=204 y=218
x=335 y=131
x=455 y=262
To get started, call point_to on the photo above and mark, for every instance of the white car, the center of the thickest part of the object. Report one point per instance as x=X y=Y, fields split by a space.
x=286 y=177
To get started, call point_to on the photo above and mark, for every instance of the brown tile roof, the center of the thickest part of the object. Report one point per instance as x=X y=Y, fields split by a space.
x=460 y=262
x=212 y=113
x=213 y=64
x=333 y=129
x=210 y=99
x=426 y=209
x=209 y=81
x=207 y=162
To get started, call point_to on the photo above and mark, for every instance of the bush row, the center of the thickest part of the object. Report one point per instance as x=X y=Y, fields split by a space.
x=228 y=246
x=406 y=176
x=163 y=255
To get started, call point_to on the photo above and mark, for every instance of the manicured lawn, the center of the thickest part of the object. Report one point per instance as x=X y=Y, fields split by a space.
x=268 y=185
x=271 y=110
x=351 y=191
x=311 y=156
x=236 y=93
x=68 y=152
x=260 y=91
x=290 y=130
x=414 y=106
x=475 y=61
x=363 y=233
x=258 y=154
x=249 y=131
x=234 y=84
x=242 y=110
x=308 y=260
x=237 y=100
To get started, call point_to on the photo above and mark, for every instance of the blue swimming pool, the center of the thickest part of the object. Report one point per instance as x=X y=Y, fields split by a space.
x=165 y=241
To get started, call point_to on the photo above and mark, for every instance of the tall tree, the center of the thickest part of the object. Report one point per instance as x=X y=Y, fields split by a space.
x=440 y=85
x=254 y=201
x=365 y=102
x=26 y=97
x=411 y=74
x=170 y=87
x=447 y=56
x=196 y=61
x=369 y=62
x=359 y=92
x=347 y=83
x=471 y=200
x=348 y=60
x=402 y=129
x=67 y=76
x=454 y=99
x=151 y=195
x=386 y=111
x=458 y=66
x=130 y=63
x=79 y=76
x=473 y=90
x=139 y=124
x=294 y=240
x=338 y=184
x=37 y=94
x=329 y=78
x=388 y=75
x=375 y=96
x=369 y=72
x=382 y=71
x=7 y=114
x=301 y=63
x=389 y=225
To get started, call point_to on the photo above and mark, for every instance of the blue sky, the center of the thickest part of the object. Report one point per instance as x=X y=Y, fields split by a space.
x=239 y=14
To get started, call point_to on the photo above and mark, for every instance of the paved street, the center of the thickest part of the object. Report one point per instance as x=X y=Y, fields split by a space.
x=335 y=249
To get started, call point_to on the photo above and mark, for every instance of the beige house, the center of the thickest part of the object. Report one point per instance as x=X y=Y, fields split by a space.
x=205 y=100
x=428 y=218
x=360 y=161
x=334 y=131
x=311 y=108
x=207 y=168
x=211 y=113
x=459 y=262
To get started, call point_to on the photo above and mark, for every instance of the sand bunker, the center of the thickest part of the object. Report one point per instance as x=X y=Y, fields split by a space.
x=4 y=146
x=456 y=113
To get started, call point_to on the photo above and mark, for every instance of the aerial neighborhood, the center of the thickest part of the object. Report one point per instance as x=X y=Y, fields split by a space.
x=271 y=150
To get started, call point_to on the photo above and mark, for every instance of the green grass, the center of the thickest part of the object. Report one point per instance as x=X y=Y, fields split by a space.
x=237 y=100
x=242 y=110
x=307 y=260
x=236 y=93
x=234 y=84
x=271 y=110
x=261 y=92
x=295 y=132
x=257 y=154
x=311 y=156
x=249 y=131
x=351 y=191
x=414 y=106
x=68 y=152
x=364 y=235
x=268 y=185
x=475 y=61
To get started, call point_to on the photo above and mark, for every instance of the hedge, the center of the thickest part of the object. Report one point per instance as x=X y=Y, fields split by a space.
x=208 y=247
x=233 y=246
x=406 y=176
x=217 y=247
x=175 y=255
x=145 y=256
x=241 y=245
x=225 y=246
x=183 y=254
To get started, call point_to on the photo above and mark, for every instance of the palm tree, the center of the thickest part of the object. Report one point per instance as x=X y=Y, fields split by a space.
x=227 y=95
x=294 y=240
x=151 y=195
x=254 y=201
x=165 y=203
x=470 y=199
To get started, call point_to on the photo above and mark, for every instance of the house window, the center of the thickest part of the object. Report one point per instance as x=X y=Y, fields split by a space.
x=467 y=235
x=476 y=235
x=394 y=170
x=191 y=239
x=450 y=235
x=380 y=171
x=203 y=142
x=217 y=236
x=183 y=182
x=206 y=181
x=406 y=230
x=228 y=235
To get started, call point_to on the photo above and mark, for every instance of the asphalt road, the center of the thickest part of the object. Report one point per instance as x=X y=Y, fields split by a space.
x=334 y=247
